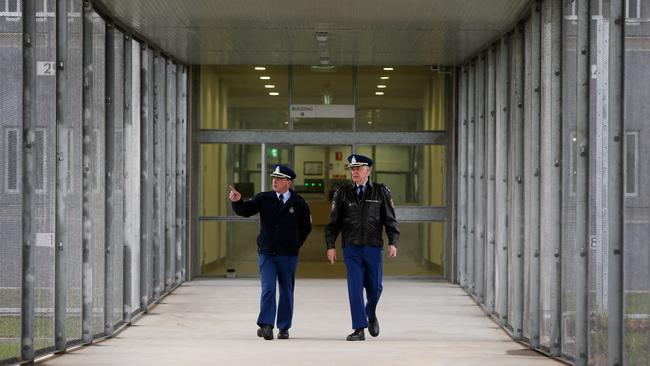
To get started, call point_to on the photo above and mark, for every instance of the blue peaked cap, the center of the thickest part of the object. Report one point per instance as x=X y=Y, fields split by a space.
x=359 y=160
x=283 y=171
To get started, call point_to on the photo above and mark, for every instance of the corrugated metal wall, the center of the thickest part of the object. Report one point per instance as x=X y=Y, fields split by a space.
x=104 y=125
x=553 y=199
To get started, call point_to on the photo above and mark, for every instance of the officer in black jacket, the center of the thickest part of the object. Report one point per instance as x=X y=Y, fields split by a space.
x=359 y=211
x=285 y=222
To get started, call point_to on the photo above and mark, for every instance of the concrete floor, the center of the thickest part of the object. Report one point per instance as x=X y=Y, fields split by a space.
x=212 y=322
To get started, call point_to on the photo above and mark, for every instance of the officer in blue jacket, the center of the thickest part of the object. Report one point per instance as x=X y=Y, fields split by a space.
x=285 y=222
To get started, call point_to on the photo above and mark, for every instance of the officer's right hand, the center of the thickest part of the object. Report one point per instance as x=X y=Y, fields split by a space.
x=331 y=255
x=234 y=195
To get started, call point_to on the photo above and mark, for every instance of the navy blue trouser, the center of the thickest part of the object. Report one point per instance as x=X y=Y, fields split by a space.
x=364 y=271
x=283 y=270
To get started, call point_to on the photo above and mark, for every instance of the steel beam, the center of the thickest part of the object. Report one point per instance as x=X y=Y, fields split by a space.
x=616 y=191
x=479 y=167
x=516 y=212
x=471 y=187
x=532 y=175
x=583 y=81
x=490 y=129
x=280 y=137
x=28 y=177
x=63 y=239
x=501 y=181
x=146 y=177
x=461 y=215
x=87 y=219
x=111 y=167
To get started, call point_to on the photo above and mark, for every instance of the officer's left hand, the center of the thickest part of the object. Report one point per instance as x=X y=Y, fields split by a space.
x=392 y=251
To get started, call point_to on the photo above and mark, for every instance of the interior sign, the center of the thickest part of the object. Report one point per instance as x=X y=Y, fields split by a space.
x=322 y=111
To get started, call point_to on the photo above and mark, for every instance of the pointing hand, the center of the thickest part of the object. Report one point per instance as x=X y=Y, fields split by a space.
x=234 y=195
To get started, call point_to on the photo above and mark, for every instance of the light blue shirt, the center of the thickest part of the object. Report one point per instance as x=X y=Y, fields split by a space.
x=286 y=195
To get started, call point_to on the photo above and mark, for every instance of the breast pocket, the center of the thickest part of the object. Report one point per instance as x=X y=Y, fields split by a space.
x=373 y=206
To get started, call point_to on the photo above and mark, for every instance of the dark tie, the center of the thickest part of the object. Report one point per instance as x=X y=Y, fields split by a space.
x=360 y=192
x=281 y=198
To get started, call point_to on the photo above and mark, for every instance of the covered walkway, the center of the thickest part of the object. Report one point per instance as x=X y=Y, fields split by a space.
x=212 y=321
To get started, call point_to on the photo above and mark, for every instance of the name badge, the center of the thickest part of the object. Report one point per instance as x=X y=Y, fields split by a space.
x=374 y=201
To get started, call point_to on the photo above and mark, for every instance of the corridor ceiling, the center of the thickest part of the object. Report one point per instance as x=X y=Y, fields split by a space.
x=311 y=32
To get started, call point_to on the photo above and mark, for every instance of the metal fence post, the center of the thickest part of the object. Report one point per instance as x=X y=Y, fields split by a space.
x=28 y=189
x=490 y=175
x=479 y=168
x=533 y=175
x=554 y=218
x=146 y=176
x=471 y=209
x=62 y=238
x=462 y=178
x=615 y=187
x=583 y=81
x=109 y=178
x=129 y=178
x=501 y=181
x=87 y=219
x=516 y=214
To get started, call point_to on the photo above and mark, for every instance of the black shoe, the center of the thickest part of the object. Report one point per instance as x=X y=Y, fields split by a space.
x=284 y=334
x=266 y=332
x=358 y=335
x=373 y=326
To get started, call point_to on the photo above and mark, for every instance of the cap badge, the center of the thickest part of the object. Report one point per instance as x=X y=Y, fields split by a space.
x=353 y=161
x=277 y=169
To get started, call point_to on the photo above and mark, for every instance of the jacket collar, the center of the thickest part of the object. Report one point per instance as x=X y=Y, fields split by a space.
x=368 y=183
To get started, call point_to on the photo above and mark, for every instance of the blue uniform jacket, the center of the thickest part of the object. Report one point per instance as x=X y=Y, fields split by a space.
x=283 y=228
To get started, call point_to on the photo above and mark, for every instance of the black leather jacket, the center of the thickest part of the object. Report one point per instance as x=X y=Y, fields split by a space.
x=360 y=221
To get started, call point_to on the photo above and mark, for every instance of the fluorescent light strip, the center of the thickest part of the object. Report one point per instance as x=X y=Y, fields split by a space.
x=260 y=68
x=265 y=78
x=269 y=86
x=388 y=69
x=274 y=93
x=379 y=93
x=381 y=86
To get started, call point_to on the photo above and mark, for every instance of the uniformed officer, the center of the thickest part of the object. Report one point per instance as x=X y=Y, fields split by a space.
x=359 y=211
x=285 y=222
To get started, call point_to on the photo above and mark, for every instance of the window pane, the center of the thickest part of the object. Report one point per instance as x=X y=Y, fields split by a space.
x=240 y=97
x=408 y=98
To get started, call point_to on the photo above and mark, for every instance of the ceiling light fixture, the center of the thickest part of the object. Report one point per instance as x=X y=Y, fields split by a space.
x=385 y=77
x=379 y=93
x=274 y=93
x=265 y=77
x=269 y=86
x=388 y=69
x=260 y=68
x=381 y=86
x=369 y=122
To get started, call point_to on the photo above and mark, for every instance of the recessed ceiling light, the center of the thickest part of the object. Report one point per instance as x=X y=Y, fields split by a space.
x=381 y=86
x=286 y=122
x=269 y=86
x=388 y=69
x=274 y=93
x=369 y=122
x=260 y=68
x=385 y=77
x=379 y=93
x=265 y=77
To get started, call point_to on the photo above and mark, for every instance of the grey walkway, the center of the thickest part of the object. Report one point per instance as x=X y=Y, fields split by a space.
x=212 y=322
